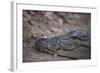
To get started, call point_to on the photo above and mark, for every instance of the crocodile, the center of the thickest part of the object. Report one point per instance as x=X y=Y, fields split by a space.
x=67 y=42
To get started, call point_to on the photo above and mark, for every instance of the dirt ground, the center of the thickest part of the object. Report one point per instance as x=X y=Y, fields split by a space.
x=38 y=24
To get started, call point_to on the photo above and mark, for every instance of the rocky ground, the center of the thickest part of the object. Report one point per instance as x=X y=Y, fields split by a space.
x=38 y=24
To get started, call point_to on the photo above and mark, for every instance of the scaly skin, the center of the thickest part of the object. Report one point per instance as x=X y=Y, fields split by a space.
x=67 y=42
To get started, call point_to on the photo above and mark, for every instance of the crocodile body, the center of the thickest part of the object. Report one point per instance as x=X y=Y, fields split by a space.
x=66 y=42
